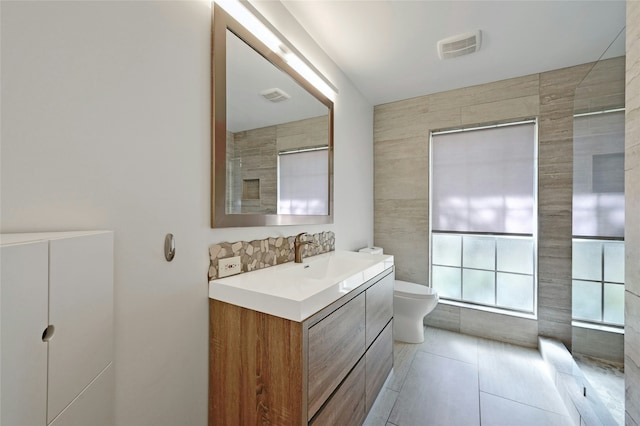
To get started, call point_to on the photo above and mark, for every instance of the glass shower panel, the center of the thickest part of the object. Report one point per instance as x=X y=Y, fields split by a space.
x=587 y=300
x=447 y=250
x=234 y=184
x=515 y=255
x=614 y=261
x=515 y=291
x=446 y=281
x=479 y=252
x=587 y=260
x=479 y=286
x=614 y=303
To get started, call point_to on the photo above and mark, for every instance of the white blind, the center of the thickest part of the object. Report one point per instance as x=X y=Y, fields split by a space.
x=483 y=180
x=598 y=175
x=303 y=183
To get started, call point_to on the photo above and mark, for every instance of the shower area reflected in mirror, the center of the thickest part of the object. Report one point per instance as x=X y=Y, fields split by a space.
x=598 y=228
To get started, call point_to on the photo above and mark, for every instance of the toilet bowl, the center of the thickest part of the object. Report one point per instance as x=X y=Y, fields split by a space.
x=411 y=303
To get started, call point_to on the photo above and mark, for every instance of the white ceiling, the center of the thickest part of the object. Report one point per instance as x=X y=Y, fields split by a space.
x=388 y=48
x=249 y=74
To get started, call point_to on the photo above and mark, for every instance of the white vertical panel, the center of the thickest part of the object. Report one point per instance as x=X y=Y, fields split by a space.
x=81 y=308
x=23 y=359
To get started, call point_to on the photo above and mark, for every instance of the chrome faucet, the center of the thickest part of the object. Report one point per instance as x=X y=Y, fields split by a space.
x=298 y=245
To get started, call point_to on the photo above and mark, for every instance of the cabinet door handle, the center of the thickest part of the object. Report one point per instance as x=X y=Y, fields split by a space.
x=47 y=334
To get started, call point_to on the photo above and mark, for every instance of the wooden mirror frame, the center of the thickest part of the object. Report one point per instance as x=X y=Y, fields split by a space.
x=221 y=22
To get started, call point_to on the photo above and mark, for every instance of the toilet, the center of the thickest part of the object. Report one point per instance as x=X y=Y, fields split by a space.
x=411 y=303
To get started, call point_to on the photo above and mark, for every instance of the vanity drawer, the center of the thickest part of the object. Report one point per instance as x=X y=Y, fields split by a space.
x=379 y=307
x=335 y=345
x=347 y=405
x=378 y=363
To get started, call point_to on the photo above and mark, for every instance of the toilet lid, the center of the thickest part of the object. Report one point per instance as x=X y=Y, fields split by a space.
x=417 y=291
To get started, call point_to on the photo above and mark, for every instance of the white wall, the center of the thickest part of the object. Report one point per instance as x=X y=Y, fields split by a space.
x=353 y=134
x=105 y=125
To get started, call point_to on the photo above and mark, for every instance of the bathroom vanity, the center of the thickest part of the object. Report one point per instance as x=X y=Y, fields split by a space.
x=299 y=344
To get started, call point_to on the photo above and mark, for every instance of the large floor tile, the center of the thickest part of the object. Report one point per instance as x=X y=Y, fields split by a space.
x=453 y=379
x=451 y=345
x=402 y=357
x=518 y=374
x=497 y=411
x=381 y=409
x=438 y=391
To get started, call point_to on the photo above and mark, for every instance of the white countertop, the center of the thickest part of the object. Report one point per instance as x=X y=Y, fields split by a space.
x=296 y=291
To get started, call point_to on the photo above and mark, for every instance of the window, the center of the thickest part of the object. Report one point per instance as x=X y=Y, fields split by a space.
x=483 y=215
x=302 y=182
x=598 y=218
x=598 y=281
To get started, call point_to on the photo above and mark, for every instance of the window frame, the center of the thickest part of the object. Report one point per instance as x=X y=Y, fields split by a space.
x=586 y=323
x=534 y=236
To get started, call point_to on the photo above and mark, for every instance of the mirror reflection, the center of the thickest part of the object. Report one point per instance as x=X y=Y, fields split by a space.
x=272 y=148
x=277 y=139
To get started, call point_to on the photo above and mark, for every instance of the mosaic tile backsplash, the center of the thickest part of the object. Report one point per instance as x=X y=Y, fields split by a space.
x=260 y=254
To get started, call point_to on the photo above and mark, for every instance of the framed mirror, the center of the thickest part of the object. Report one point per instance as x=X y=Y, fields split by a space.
x=272 y=136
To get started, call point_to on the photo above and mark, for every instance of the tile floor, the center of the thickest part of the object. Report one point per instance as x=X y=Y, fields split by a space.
x=452 y=379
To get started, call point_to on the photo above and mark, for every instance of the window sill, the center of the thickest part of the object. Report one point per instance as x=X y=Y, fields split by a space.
x=489 y=309
x=599 y=327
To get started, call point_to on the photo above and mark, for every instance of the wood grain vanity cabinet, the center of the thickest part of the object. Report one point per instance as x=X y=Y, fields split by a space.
x=325 y=370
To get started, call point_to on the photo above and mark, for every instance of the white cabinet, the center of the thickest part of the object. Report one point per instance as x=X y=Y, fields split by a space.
x=63 y=280
x=23 y=318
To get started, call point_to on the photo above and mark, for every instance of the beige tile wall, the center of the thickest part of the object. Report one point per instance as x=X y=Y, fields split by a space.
x=599 y=344
x=255 y=154
x=257 y=150
x=632 y=227
x=401 y=182
x=555 y=191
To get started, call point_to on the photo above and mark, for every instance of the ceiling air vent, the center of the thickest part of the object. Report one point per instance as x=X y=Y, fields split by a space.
x=459 y=45
x=275 y=95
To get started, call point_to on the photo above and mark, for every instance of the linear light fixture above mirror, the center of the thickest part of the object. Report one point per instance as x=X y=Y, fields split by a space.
x=246 y=18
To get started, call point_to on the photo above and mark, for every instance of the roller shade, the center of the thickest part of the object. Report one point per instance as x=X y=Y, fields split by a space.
x=303 y=183
x=483 y=180
x=598 y=175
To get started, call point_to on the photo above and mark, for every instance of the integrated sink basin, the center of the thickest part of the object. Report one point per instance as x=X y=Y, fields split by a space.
x=325 y=266
x=296 y=291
